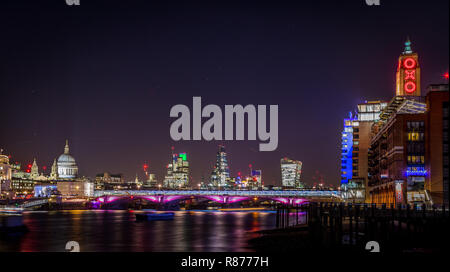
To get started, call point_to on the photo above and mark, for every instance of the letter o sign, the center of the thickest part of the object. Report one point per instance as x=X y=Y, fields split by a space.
x=409 y=63
x=410 y=87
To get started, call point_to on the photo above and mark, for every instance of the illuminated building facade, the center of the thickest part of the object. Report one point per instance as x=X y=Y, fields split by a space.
x=408 y=73
x=291 y=171
x=45 y=190
x=66 y=165
x=355 y=145
x=409 y=149
x=74 y=189
x=257 y=179
x=396 y=146
x=5 y=175
x=34 y=174
x=177 y=172
x=21 y=183
x=151 y=182
x=408 y=157
x=24 y=181
x=347 y=150
x=108 y=181
x=220 y=176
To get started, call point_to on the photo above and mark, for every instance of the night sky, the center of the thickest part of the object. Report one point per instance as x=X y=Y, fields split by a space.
x=106 y=73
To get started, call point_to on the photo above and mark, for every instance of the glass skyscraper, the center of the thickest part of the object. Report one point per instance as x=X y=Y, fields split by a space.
x=220 y=175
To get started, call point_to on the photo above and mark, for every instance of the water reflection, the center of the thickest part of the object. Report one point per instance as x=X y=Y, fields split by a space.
x=102 y=230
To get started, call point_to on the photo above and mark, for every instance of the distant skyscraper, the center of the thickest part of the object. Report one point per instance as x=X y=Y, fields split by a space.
x=290 y=173
x=220 y=176
x=257 y=178
x=177 y=172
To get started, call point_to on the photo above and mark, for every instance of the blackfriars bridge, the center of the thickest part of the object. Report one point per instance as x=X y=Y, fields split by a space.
x=288 y=197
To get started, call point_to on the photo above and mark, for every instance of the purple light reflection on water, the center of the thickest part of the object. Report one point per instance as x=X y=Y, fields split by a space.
x=118 y=230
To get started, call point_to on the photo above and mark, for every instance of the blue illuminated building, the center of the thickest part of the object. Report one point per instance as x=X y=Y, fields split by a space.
x=346 y=150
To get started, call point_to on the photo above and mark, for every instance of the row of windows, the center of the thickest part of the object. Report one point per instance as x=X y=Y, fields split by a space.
x=417 y=125
x=416 y=148
x=369 y=116
x=416 y=159
x=371 y=107
x=416 y=136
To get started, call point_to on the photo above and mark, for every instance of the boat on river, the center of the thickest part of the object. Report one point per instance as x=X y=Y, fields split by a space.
x=5 y=210
x=154 y=216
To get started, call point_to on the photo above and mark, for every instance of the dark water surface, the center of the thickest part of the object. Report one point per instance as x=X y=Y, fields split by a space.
x=114 y=230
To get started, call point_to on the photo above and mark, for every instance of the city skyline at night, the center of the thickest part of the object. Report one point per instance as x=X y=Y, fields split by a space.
x=200 y=130
x=111 y=96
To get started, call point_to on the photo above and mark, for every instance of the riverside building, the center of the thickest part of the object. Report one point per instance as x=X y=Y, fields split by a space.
x=355 y=145
x=408 y=155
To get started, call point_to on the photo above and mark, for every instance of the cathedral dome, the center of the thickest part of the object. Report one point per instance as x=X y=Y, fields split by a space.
x=66 y=158
x=67 y=167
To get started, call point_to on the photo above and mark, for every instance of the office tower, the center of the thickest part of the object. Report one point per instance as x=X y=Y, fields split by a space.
x=220 y=176
x=177 y=172
x=290 y=173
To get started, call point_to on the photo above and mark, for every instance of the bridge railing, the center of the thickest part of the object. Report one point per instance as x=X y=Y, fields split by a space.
x=33 y=203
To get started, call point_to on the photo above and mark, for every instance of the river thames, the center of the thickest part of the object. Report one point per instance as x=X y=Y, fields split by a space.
x=118 y=230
